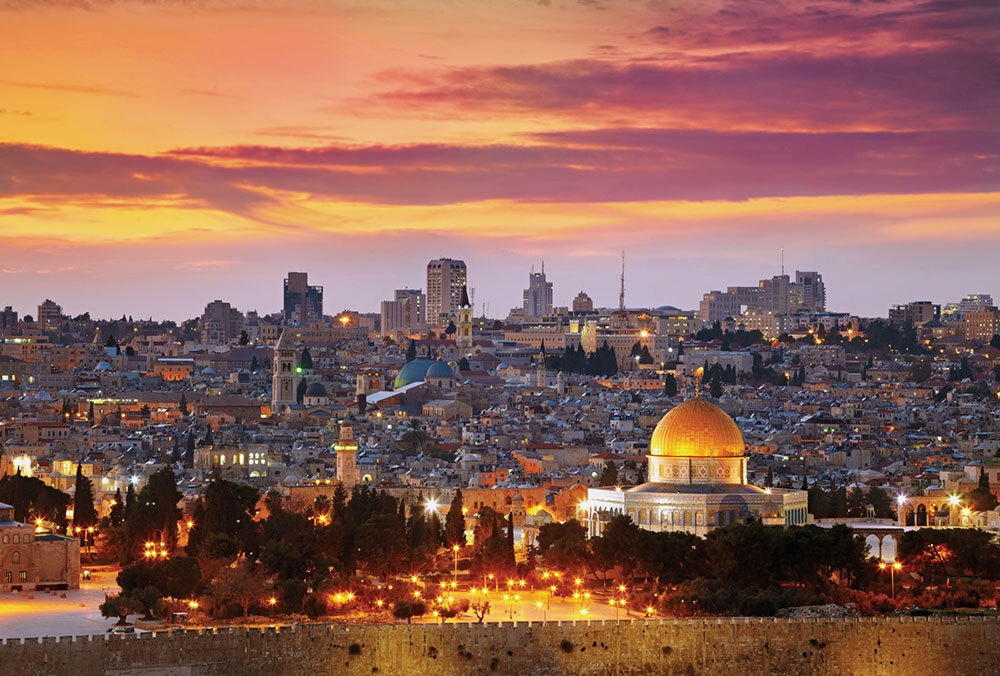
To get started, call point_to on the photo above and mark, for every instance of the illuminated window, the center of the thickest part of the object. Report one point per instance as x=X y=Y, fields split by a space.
x=15 y=557
x=23 y=576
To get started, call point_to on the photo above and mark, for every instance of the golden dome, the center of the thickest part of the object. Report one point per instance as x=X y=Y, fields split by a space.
x=697 y=428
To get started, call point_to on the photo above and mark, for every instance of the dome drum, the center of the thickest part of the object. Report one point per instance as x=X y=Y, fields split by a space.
x=695 y=470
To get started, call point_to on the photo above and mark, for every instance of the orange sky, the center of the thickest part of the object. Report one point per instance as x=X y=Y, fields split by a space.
x=158 y=155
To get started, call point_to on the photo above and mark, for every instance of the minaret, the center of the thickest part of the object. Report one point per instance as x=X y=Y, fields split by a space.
x=463 y=339
x=347 y=457
x=283 y=382
x=621 y=294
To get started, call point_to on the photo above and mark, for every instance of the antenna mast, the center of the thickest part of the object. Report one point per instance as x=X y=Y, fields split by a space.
x=782 y=261
x=621 y=294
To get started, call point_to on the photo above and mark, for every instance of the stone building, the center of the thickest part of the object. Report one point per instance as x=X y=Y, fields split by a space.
x=35 y=560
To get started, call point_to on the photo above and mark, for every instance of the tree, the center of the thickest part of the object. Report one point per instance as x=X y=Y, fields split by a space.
x=451 y=329
x=995 y=341
x=208 y=440
x=227 y=509
x=769 y=479
x=306 y=361
x=117 y=513
x=381 y=545
x=254 y=364
x=715 y=388
x=406 y=610
x=454 y=522
x=300 y=391
x=120 y=606
x=463 y=364
x=239 y=585
x=670 y=385
x=609 y=475
x=183 y=405
x=145 y=411
x=189 y=451
x=244 y=338
x=563 y=545
x=480 y=609
x=181 y=577
x=129 y=498
x=84 y=514
x=411 y=351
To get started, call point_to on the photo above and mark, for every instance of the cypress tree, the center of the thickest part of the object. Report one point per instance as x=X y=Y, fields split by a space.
x=715 y=389
x=84 y=513
x=411 y=351
x=454 y=522
x=117 y=514
x=670 y=385
x=129 y=499
x=300 y=391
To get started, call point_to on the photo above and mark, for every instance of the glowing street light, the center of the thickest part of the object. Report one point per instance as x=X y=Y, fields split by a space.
x=896 y=565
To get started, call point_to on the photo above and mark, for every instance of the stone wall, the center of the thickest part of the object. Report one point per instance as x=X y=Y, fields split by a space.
x=686 y=647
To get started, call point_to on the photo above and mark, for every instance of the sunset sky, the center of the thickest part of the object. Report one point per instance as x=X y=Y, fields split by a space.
x=156 y=155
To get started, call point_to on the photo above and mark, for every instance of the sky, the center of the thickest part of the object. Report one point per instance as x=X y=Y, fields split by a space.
x=158 y=154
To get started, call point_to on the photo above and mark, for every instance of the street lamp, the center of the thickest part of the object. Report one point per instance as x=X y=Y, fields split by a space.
x=896 y=565
x=454 y=548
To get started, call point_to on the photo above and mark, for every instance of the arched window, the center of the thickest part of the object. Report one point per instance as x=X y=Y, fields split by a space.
x=6 y=539
x=15 y=557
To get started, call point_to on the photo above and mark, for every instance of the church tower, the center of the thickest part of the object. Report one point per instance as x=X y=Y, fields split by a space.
x=284 y=383
x=463 y=339
x=347 y=457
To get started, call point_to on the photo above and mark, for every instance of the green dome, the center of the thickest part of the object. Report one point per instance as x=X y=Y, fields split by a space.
x=413 y=372
x=439 y=369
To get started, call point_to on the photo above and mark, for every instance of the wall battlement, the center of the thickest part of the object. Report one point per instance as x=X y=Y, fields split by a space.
x=747 y=646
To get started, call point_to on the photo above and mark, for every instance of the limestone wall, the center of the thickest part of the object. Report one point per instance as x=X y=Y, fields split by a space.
x=745 y=647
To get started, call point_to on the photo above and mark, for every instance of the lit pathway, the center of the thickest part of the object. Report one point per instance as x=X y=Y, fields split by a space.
x=48 y=615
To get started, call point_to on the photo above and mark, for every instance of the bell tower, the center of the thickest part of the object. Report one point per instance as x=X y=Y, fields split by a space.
x=463 y=339
x=347 y=457
x=283 y=383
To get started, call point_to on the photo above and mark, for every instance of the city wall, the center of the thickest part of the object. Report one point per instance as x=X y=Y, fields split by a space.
x=747 y=647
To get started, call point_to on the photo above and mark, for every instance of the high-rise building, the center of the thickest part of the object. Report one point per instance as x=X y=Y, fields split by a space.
x=718 y=305
x=405 y=313
x=537 y=298
x=917 y=313
x=778 y=295
x=8 y=319
x=303 y=303
x=220 y=323
x=583 y=303
x=982 y=324
x=49 y=316
x=812 y=291
x=975 y=302
x=445 y=279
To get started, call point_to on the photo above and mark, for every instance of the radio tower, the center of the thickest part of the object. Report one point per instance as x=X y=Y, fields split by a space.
x=621 y=294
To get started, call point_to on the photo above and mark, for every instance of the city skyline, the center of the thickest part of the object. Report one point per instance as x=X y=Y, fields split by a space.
x=197 y=151
x=562 y=297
